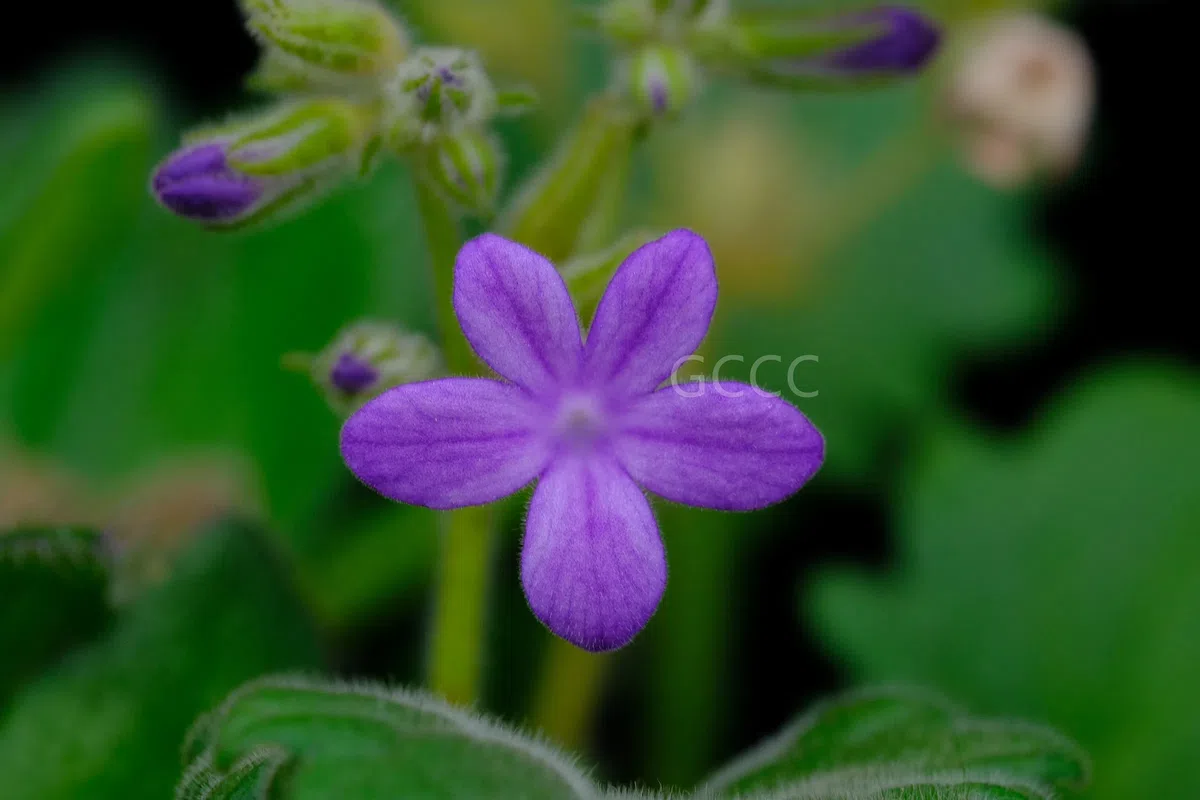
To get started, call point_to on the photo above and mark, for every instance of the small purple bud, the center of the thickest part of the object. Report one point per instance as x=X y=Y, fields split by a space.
x=906 y=41
x=350 y=375
x=658 y=96
x=449 y=77
x=197 y=183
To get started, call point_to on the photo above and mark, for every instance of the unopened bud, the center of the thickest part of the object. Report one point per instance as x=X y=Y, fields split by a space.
x=352 y=39
x=1022 y=97
x=264 y=167
x=628 y=22
x=848 y=49
x=367 y=358
x=466 y=168
x=440 y=91
x=662 y=79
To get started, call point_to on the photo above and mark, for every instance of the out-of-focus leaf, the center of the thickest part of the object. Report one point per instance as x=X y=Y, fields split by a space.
x=52 y=597
x=169 y=337
x=385 y=555
x=109 y=723
x=848 y=234
x=75 y=158
x=883 y=742
x=357 y=255
x=1056 y=578
x=365 y=741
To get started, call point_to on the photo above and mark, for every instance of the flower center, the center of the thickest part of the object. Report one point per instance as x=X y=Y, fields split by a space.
x=580 y=422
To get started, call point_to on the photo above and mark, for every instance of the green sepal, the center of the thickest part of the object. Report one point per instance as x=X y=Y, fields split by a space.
x=516 y=100
x=438 y=92
x=588 y=274
x=751 y=37
x=549 y=213
x=301 y=138
x=465 y=169
x=627 y=22
x=352 y=38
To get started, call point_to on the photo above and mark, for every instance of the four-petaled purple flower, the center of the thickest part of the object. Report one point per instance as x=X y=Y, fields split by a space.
x=588 y=421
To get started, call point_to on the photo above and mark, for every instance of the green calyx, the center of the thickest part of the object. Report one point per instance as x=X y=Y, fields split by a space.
x=302 y=138
x=438 y=92
x=352 y=39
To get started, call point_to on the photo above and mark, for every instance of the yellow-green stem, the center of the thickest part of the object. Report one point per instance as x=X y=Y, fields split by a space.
x=568 y=693
x=444 y=238
x=460 y=603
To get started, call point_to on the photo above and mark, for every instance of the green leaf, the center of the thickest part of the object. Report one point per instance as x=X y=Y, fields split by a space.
x=53 y=598
x=84 y=153
x=176 y=335
x=109 y=723
x=894 y=742
x=347 y=740
x=248 y=779
x=76 y=156
x=1055 y=577
x=844 y=229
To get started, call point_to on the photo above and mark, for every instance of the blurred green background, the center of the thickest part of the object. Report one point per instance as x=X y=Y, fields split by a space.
x=1007 y=383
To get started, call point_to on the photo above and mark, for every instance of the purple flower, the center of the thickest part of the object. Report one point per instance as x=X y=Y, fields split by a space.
x=589 y=422
x=197 y=183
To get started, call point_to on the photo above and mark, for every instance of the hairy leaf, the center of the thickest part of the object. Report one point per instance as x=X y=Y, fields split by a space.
x=346 y=740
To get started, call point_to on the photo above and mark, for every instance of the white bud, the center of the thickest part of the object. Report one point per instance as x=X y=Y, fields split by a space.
x=1022 y=97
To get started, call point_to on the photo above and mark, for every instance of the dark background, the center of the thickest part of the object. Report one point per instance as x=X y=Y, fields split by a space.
x=1113 y=223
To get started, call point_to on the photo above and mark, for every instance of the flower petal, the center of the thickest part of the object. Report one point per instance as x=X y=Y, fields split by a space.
x=592 y=563
x=703 y=446
x=655 y=312
x=446 y=443
x=515 y=310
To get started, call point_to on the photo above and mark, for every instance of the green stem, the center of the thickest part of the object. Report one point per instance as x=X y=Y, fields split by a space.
x=456 y=643
x=569 y=693
x=444 y=238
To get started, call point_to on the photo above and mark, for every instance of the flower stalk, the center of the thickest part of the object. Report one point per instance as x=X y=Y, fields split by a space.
x=461 y=585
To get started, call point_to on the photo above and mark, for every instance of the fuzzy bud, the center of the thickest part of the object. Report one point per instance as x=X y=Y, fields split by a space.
x=628 y=22
x=263 y=167
x=466 y=169
x=440 y=91
x=662 y=80
x=344 y=39
x=367 y=358
x=852 y=48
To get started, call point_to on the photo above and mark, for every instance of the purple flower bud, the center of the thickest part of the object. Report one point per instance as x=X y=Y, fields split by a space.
x=350 y=375
x=905 y=42
x=197 y=183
